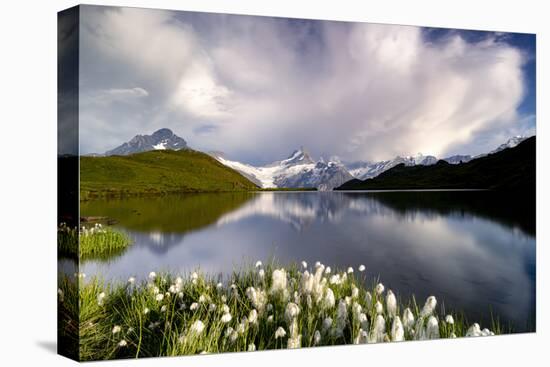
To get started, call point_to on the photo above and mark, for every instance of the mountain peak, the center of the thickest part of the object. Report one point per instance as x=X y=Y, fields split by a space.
x=510 y=143
x=162 y=139
x=299 y=156
x=163 y=133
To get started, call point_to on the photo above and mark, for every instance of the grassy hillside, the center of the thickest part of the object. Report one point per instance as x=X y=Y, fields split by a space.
x=508 y=170
x=157 y=172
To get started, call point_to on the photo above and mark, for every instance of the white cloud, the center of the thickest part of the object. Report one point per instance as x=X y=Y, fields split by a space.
x=361 y=91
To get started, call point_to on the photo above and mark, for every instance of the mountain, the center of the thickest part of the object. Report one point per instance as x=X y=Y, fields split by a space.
x=299 y=170
x=157 y=172
x=511 y=143
x=163 y=139
x=365 y=170
x=509 y=169
x=457 y=159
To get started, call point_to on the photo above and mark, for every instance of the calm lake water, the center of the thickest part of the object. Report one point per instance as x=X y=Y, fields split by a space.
x=474 y=251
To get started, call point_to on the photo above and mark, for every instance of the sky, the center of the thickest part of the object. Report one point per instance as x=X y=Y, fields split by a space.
x=257 y=88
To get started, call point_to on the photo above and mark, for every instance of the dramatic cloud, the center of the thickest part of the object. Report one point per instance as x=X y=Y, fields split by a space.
x=258 y=87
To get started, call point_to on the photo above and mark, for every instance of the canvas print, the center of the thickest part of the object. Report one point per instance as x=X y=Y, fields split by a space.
x=234 y=183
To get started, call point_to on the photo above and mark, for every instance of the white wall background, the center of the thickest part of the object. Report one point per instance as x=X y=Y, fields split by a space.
x=28 y=180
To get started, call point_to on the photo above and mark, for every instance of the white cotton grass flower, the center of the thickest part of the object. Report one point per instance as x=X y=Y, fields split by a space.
x=379 y=308
x=292 y=311
x=258 y=263
x=270 y=319
x=159 y=297
x=318 y=264
x=60 y=294
x=379 y=330
x=328 y=270
x=251 y=347
x=356 y=310
x=362 y=337
x=341 y=316
x=361 y=268
x=317 y=337
x=101 y=299
x=432 y=328
x=379 y=288
x=391 y=303
x=146 y=311
x=261 y=273
x=429 y=306
x=122 y=343
x=329 y=300
x=163 y=308
x=304 y=264
x=335 y=279
x=257 y=297
x=131 y=280
x=327 y=323
x=347 y=299
x=474 y=330
x=116 y=329
x=408 y=318
x=449 y=320
x=354 y=292
x=253 y=316
x=364 y=321
x=487 y=332
x=194 y=277
x=197 y=327
x=194 y=306
x=350 y=270
x=212 y=307
x=225 y=308
x=219 y=286
x=397 y=331
x=280 y=333
x=241 y=328
x=226 y=317
x=279 y=281
x=152 y=275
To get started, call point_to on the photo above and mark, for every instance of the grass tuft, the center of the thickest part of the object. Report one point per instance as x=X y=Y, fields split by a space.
x=257 y=308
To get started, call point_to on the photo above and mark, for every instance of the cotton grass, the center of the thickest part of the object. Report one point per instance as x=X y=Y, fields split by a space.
x=290 y=307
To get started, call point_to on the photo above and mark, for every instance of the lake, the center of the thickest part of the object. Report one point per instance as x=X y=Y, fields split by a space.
x=475 y=251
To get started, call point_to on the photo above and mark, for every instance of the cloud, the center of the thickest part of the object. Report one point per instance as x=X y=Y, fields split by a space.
x=107 y=96
x=268 y=85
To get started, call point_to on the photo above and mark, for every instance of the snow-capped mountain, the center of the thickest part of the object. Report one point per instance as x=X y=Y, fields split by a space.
x=299 y=170
x=511 y=143
x=162 y=139
x=365 y=170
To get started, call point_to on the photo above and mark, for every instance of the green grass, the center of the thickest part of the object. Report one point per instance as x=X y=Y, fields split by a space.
x=157 y=173
x=96 y=242
x=156 y=317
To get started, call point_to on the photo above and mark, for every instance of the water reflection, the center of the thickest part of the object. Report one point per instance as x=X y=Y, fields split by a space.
x=473 y=250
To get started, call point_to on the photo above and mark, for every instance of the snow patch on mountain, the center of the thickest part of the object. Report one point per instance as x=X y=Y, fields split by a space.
x=299 y=170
